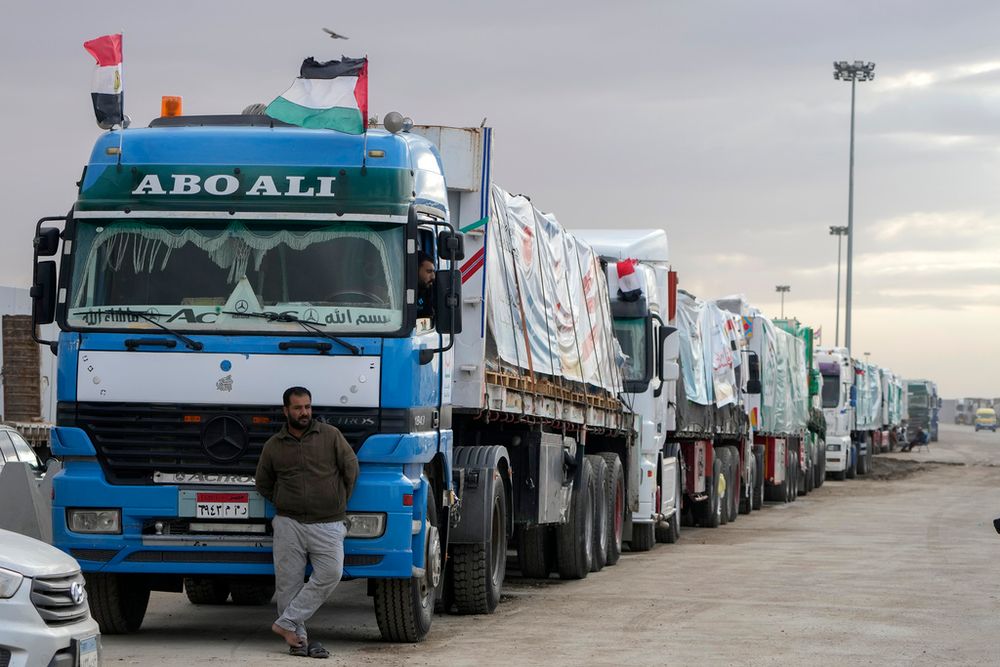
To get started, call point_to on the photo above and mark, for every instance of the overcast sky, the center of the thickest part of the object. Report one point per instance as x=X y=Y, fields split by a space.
x=717 y=121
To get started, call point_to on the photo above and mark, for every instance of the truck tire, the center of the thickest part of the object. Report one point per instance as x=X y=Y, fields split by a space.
x=574 y=539
x=747 y=490
x=726 y=490
x=599 y=496
x=820 y=471
x=758 y=490
x=852 y=467
x=404 y=608
x=733 y=482
x=534 y=551
x=479 y=569
x=206 y=590
x=643 y=537
x=614 y=485
x=117 y=601
x=863 y=461
x=252 y=591
x=793 y=478
x=710 y=509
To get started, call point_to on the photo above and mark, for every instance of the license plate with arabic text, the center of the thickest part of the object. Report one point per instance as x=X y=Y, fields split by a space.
x=222 y=506
x=89 y=652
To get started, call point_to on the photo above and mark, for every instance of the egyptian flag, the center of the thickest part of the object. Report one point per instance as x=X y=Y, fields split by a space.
x=629 y=287
x=107 y=88
x=332 y=95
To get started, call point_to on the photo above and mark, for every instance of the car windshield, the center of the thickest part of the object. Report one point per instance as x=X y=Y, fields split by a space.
x=831 y=391
x=200 y=275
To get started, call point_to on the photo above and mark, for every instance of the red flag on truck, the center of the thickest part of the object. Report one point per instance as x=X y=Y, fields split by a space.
x=106 y=90
x=629 y=287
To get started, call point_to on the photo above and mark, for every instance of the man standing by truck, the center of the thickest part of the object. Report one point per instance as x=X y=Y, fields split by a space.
x=308 y=471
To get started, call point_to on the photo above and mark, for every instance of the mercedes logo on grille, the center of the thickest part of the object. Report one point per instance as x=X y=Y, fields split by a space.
x=76 y=592
x=224 y=439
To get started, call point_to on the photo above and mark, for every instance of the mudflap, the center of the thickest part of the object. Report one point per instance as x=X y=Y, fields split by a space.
x=475 y=473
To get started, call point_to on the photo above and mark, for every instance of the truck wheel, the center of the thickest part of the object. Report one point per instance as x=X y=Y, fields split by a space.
x=746 y=492
x=252 y=591
x=820 y=471
x=206 y=590
x=863 y=463
x=574 y=539
x=643 y=537
x=724 y=485
x=117 y=601
x=614 y=487
x=479 y=569
x=533 y=551
x=758 y=490
x=710 y=510
x=733 y=481
x=404 y=608
x=793 y=479
x=852 y=468
x=598 y=497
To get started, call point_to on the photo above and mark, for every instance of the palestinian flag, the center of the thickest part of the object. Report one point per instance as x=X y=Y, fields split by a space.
x=331 y=95
x=107 y=86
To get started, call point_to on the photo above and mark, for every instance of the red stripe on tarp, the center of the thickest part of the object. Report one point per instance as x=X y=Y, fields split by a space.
x=107 y=50
x=223 y=497
x=361 y=93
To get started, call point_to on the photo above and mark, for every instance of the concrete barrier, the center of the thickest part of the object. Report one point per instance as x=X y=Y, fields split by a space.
x=24 y=507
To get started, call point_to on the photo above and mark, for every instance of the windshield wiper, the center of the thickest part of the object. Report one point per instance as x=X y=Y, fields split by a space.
x=308 y=326
x=148 y=316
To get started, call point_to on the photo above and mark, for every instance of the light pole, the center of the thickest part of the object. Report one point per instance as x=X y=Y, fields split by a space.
x=853 y=72
x=782 y=289
x=839 y=232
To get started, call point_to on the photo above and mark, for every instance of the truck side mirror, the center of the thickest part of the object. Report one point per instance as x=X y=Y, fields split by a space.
x=43 y=293
x=854 y=396
x=448 y=301
x=47 y=242
x=668 y=347
x=753 y=386
x=449 y=242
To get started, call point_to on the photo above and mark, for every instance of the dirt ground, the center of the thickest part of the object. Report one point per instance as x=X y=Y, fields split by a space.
x=897 y=568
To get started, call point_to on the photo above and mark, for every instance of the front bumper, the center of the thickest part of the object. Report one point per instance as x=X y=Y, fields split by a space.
x=838 y=460
x=31 y=641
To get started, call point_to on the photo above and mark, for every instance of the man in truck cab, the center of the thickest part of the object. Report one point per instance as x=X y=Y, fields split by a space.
x=425 y=285
x=308 y=471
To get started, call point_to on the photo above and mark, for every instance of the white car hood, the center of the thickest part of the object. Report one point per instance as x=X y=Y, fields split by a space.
x=33 y=558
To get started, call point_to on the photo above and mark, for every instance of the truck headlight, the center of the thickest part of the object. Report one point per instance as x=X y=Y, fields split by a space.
x=94 y=521
x=833 y=447
x=366 y=524
x=10 y=581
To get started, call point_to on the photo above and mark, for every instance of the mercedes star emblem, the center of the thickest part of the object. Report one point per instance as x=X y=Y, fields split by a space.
x=224 y=439
x=242 y=306
x=76 y=592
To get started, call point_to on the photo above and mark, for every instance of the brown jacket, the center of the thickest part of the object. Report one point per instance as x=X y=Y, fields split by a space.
x=308 y=480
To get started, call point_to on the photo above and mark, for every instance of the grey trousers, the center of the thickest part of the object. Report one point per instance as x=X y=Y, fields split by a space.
x=294 y=542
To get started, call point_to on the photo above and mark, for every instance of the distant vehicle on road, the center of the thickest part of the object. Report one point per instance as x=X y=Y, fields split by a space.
x=986 y=418
x=43 y=606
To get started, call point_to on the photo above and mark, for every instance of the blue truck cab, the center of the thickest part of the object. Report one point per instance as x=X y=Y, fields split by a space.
x=209 y=263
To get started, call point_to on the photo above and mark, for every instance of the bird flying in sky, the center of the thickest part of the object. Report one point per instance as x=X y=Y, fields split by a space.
x=334 y=35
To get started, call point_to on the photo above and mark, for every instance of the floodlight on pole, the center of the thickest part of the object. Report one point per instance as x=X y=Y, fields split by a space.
x=853 y=72
x=782 y=290
x=840 y=233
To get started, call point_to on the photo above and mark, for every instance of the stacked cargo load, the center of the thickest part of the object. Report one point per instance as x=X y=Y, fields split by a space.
x=812 y=456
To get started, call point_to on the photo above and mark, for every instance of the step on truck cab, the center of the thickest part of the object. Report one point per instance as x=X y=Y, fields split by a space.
x=207 y=264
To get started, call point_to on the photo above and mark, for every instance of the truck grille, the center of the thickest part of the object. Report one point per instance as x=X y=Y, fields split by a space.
x=134 y=440
x=60 y=600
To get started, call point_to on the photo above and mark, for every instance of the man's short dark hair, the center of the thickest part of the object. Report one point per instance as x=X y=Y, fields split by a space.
x=286 y=398
x=423 y=257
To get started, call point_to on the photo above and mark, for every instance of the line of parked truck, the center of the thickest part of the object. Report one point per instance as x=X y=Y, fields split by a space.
x=566 y=399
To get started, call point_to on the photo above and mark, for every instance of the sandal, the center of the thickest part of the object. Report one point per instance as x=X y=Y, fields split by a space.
x=300 y=651
x=316 y=650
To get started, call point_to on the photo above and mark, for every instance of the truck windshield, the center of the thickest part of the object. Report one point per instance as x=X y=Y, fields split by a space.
x=347 y=277
x=631 y=335
x=831 y=391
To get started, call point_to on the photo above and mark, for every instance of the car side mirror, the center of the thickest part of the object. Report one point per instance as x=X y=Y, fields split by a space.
x=451 y=245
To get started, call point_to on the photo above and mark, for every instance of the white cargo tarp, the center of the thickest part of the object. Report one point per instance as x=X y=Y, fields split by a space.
x=548 y=309
x=707 y=358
